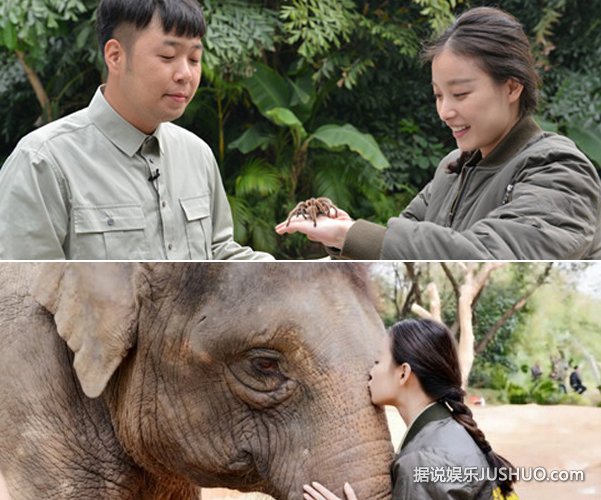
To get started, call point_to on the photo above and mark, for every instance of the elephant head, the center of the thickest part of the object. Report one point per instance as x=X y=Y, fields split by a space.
x=247 y=376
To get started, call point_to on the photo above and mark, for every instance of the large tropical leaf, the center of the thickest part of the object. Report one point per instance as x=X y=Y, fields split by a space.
x=257 y=177
x=257 y=136
x=285 y=117
x=302 y=96
x=588 y=139
x=337 y=136
x=267 y=89
x=332 y=180
x=241 y=215
x=546 y=125
x=264 y=238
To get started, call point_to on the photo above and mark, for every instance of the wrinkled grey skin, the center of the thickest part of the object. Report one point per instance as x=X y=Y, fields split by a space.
x=147 y=381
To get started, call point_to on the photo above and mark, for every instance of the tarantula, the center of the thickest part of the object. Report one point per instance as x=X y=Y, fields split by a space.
x=312 y=208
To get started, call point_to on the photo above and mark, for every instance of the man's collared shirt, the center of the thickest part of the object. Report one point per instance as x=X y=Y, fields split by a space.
x=92 y=186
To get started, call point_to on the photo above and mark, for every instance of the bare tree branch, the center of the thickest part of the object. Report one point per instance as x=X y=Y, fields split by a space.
x=517 y=305
x=451 y=278
x=434 y=296
x=421 y=311
x=414 y=295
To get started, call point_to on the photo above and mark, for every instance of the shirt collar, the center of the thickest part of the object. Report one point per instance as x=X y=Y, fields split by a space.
x=118 y=130
x=434 y=411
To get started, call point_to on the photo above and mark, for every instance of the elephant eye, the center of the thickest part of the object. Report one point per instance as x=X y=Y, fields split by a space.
x=259 y=378
x=266 y=366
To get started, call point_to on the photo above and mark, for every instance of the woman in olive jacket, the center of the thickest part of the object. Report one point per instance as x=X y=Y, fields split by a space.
x=443 y=453
x=510 y=191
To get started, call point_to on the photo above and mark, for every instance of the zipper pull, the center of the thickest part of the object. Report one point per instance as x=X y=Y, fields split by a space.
x=508 y=192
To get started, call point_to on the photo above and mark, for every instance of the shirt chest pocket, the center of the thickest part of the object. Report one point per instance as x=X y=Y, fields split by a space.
x=109 y=232
x=199 y=227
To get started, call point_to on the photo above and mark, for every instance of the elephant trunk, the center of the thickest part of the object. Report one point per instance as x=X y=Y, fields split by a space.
x=360 y=453
x=345 y=439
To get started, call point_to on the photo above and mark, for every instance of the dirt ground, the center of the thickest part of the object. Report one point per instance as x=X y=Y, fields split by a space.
x=553 y=437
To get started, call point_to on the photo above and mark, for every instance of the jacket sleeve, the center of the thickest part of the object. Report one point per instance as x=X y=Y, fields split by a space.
x=223 y=246
x=553 y=214
x=33 y=208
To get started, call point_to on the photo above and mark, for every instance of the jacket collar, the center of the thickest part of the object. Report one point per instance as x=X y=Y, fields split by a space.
x=435 y=412
x=521 y=133
x=115 y=128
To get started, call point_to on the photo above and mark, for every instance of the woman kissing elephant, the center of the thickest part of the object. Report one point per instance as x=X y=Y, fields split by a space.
x=149 y=381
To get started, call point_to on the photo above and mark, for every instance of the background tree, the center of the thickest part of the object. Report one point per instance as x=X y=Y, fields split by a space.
x=479 y=305
x=31 y=30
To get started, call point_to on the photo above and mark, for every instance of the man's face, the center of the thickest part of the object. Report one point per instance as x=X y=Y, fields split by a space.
x=156 y=77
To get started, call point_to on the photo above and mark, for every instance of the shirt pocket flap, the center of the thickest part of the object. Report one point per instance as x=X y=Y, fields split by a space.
x=108 y=218
x=197 y=207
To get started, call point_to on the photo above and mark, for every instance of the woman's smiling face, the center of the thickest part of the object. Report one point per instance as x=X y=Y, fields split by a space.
x=479 y=111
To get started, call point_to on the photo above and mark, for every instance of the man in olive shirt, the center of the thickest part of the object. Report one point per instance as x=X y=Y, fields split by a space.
x=116 y=180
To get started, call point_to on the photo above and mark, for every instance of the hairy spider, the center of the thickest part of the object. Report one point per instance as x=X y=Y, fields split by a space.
x=312 y=208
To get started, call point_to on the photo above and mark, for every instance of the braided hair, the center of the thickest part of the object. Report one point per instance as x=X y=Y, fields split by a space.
x=430 y=350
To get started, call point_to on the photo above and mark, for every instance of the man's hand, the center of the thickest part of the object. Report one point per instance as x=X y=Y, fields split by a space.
x=319 y=492
x=329 y=231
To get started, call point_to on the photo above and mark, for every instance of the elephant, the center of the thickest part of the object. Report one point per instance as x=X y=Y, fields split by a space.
x=152 y=380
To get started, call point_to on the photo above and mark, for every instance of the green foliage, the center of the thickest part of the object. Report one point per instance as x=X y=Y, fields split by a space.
x=289 y=103
x=239 y=33
x=56 y=40
x=588 y=139
x=17 y=102
x=490 y=375
x=277 y=98
x=574 y=107
x=517 y=395
x=257 y=177
x=335 y=137
x=440 y=12
x=544 y=392
x=543 y=31
x=26 y=24
x=318 y=25
x=412 y=156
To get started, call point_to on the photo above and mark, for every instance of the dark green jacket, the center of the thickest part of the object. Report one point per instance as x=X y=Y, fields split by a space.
x=439 y=460
x=535 y=196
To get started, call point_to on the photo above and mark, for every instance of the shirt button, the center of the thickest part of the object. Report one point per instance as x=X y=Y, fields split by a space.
x=170 y=246
x=150 y=160
x=164 y=204
x=110 y=222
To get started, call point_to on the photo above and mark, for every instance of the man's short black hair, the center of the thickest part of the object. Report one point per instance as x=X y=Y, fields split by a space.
x=182 y=17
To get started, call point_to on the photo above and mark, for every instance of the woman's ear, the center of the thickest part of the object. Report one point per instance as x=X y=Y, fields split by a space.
x=404 y=373
x=95 y=308
x=514 y=90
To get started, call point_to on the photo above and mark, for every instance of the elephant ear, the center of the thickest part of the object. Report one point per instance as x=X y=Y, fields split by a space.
x=95 y=310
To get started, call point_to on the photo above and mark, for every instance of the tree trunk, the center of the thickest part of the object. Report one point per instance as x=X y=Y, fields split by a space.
x=38 y=88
